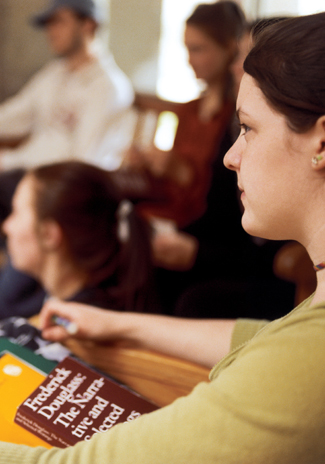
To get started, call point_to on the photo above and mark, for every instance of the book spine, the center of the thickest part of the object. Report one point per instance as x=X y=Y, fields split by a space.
x=52 y=438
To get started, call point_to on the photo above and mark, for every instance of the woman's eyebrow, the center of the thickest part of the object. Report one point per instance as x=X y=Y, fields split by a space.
x=240 y=112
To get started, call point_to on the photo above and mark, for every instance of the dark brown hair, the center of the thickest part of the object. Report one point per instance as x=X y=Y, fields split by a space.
x=222 y=21
x=84 y=202
x=287 y=62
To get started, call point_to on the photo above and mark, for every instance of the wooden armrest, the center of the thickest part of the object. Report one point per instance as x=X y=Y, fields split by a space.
x=145 y=102
x=148 y=108
x=156 y=376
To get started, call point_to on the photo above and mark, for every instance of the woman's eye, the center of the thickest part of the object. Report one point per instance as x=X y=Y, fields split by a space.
x=244 y=129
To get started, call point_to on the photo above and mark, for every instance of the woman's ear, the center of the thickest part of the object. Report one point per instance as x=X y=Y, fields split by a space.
x=51 y=235
x=318 y=160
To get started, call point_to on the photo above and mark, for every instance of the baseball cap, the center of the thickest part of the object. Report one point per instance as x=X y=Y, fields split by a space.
x=88 y=8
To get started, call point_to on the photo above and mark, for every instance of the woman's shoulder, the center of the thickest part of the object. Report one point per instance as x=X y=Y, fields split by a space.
x=297 y=336
x=306 y=318
x=99 y=296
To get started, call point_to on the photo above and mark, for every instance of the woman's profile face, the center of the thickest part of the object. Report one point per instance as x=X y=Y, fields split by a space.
x=209 y=60
x=272 y=164
x=21 y=230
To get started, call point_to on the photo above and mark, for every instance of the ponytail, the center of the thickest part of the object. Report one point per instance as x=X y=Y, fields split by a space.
x=135 y=262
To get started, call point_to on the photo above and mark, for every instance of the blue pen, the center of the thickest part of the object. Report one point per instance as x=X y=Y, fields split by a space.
x=70 y=327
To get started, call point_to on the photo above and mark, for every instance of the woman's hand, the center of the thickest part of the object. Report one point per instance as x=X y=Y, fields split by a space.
x=191 y=339
x=174 y=250
x=151 y=159
x=89 y=322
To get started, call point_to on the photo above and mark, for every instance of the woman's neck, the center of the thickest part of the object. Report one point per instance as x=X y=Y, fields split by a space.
x=62 y=279
x=315 y=245
x=213 y=100
x=319 y=295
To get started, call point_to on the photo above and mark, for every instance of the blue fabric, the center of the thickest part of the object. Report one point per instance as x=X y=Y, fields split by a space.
x=20 y=295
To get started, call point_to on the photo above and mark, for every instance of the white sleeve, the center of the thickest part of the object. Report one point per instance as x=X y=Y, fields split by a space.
x=105 y=123
x=17 y=112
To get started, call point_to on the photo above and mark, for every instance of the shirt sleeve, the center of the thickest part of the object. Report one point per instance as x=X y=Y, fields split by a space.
x=19 y=116
x=42 y=148
x=99 y=95
x=105 y=107
x=17 y=112
x=244 y=330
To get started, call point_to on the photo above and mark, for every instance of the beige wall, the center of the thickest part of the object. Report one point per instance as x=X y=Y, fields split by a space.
x=133 y=33
x=23 y=49
x=134 y=39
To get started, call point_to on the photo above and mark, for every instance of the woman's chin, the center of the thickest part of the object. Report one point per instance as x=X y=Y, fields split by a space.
x=254 y=229
x=262 y=232
x=20 y=267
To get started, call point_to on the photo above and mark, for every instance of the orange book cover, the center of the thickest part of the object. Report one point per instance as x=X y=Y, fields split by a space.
x=18 y=379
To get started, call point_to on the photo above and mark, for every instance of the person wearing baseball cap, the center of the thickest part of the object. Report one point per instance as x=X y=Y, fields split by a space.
x=75 y=107
x=84 y=8
x=66 y=107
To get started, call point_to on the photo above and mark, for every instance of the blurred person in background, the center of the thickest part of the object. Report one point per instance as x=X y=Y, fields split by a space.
x=210 y=257
x=70 y=230
x=66 y=108
x=211 y=37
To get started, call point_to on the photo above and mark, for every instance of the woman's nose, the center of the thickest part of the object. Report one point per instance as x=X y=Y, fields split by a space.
x=232 y=158
x=5 y=224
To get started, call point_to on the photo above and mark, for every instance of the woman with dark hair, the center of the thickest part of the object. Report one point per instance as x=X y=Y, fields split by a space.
x=203 y=195
x=264 y=403
x=211 y=38
x=70 y=230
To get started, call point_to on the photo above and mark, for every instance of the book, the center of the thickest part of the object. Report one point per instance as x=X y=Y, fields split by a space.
x=38 y=362
x=21 y=371
x=75 y=402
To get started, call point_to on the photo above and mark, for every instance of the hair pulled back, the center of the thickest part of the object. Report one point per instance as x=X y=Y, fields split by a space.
x=222 y=21
x=287 y=62
x=82 y=199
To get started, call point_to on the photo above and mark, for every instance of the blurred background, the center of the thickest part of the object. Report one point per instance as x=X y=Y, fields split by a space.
x=145 y=37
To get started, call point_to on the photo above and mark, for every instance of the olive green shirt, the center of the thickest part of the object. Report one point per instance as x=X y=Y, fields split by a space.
x=265 y=403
